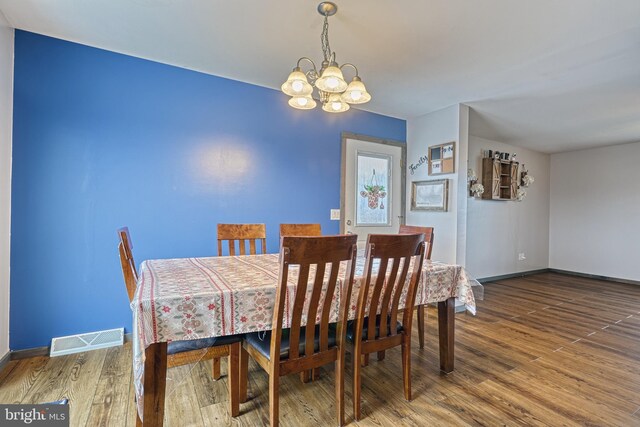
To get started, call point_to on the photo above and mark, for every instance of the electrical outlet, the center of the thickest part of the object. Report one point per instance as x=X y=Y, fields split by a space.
x=521 y=256
x=335 y=214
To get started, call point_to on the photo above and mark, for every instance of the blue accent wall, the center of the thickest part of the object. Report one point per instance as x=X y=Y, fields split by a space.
x=102 y=140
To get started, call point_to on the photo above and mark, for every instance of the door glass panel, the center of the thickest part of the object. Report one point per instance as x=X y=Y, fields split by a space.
x=373 y=193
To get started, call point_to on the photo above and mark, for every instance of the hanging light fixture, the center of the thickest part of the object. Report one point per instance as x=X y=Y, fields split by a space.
x=333 y=90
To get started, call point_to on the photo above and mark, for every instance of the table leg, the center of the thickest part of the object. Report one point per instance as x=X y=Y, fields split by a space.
x=155 y=381
x=446 y=330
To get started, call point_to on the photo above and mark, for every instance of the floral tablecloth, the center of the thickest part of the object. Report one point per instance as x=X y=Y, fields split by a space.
x=190 y=298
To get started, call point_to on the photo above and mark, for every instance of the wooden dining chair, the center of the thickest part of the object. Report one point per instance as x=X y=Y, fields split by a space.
x=305 y=345
x=298 y=230
x=242 y=233
x=191 y=351
x=428 y=238
x=376 y=327
x=302 y=230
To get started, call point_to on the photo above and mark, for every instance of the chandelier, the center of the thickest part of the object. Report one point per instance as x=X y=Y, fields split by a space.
x=333 y=91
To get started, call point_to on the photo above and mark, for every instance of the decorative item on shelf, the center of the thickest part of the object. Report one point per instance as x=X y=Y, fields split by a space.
x=521 y=194
x=526 y=179
x=475 y=188
x=333 y=91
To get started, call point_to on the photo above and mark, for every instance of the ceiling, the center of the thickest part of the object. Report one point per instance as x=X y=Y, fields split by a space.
x=547 y=75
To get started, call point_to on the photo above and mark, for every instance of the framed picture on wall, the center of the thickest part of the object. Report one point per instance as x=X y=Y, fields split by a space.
x=430 y=195
x=442 y=158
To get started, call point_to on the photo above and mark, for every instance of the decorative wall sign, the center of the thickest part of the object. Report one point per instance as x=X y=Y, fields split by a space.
x=430 y=195
x=442 y=158
x=373 y=188
x=413 y=167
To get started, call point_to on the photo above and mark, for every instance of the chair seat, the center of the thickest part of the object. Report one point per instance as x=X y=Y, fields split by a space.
x=261 y=341
x=351 y=325
x=175 y=347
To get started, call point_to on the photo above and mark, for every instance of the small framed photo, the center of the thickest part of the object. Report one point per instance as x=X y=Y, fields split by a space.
x=442 y=158
x=430 y=195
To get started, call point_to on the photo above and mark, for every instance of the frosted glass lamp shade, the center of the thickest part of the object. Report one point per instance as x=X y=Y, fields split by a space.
x=356 y=92
x=335 y=105
x=297 y=84
x=331 y=80
x=302 y=102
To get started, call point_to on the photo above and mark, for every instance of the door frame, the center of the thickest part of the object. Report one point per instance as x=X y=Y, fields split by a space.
x=343 y=169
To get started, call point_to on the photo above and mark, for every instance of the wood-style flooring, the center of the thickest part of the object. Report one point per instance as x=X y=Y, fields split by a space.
x=547 y=349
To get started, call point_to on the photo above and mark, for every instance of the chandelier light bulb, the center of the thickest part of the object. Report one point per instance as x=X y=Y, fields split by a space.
x=331 y=80
x=297 y=86
x=334 y=104
x=332 y=83
x=356 y=93
x=302 y=102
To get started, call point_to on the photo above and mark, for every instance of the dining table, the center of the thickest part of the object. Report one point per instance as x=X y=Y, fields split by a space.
x=193 y=298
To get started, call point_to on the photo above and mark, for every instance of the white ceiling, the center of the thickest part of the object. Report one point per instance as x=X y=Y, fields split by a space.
x=545 y=74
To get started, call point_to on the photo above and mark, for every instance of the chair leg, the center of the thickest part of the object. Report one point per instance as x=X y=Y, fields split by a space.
x=274 y=400
x=305 y=376
x=365 y=359
x=356 y=385
x=381 y=355
x=234 y=378
x=339 y=366
x=421 y=325
x=244 y=368
x=216 y=368
x=316 y=374
x=406 y=367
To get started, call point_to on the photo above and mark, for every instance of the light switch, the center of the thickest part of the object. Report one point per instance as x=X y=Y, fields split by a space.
x=335 y=214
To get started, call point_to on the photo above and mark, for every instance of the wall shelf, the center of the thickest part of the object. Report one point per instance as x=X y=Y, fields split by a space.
x=500 y=179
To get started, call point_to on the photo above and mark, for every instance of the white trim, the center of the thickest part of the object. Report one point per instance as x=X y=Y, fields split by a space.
x=6 y=137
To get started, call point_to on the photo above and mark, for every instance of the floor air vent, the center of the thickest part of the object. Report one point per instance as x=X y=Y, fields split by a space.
x=86 y=342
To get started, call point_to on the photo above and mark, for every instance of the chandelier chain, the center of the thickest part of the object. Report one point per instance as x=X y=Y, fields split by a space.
x=324 y=37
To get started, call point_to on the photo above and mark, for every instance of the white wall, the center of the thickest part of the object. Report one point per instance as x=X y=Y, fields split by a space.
x=498 y=230
x=595 y=211
x=449 y=124
x=6 y=121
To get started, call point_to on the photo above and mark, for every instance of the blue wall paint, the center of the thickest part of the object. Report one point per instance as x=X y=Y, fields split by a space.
x=103 y=140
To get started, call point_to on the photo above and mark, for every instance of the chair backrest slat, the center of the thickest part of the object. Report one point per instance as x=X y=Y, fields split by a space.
x=296 y=312
x=129 y=271
x=242 y=233
x=299 y=230
x=395 y=303
x=326 y=307
x=375 y=297
x=305 y=252
x=398 y=250
x=313 y=307
x=388 y=291
x=428 y=235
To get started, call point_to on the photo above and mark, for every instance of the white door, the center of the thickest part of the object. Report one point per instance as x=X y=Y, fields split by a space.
x=373 y=187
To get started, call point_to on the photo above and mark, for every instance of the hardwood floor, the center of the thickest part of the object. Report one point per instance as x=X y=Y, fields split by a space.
x=547 y=349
